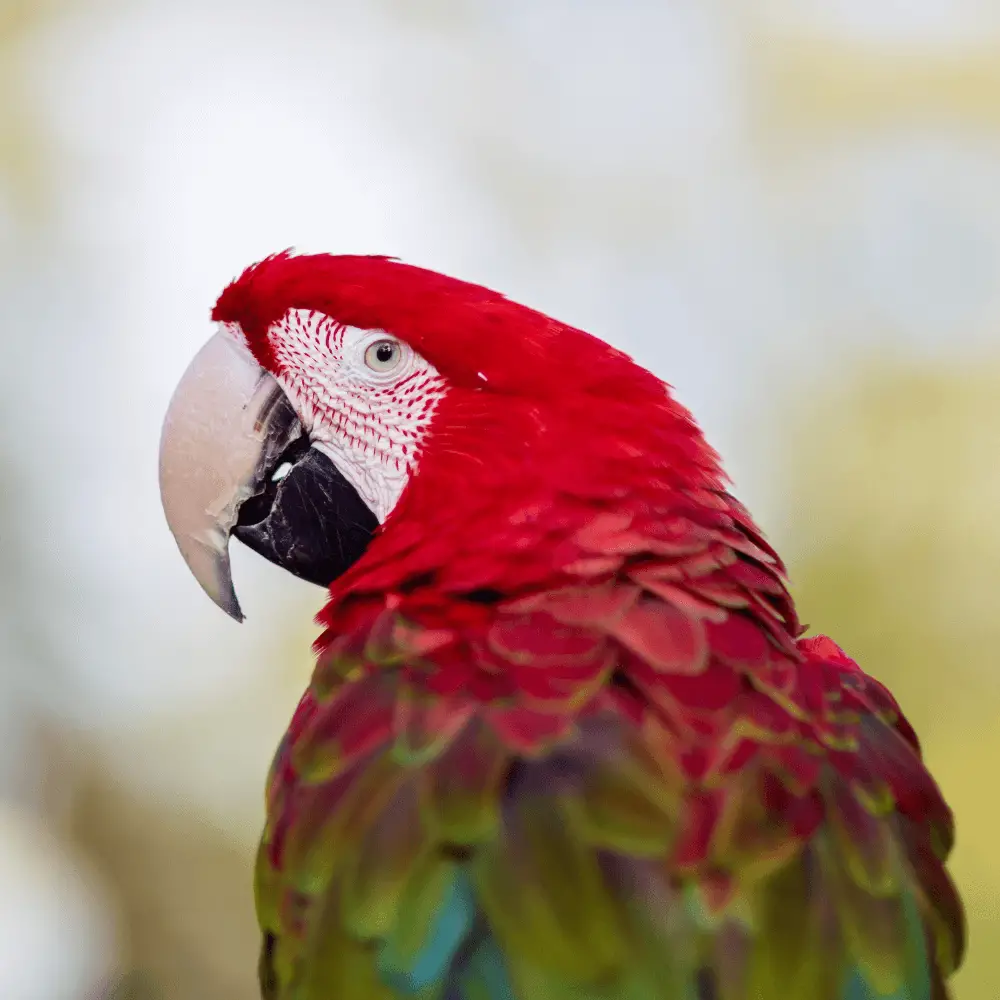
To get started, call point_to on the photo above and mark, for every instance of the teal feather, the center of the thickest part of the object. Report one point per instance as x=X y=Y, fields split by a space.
x=858 y=988
x=409 y=974
x=483 y=975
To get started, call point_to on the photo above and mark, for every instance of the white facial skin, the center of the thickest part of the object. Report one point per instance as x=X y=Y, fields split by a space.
x=365 y=398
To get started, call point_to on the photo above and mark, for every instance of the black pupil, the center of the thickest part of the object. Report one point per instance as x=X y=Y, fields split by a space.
x=384 y=353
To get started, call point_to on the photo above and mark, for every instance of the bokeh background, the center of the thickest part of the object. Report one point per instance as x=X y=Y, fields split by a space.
x=788 y=209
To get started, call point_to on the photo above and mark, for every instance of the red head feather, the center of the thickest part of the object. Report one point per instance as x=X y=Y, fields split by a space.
x=461 y=328
x=538 y=416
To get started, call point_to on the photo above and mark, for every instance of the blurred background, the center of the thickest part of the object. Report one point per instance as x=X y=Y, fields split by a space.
x=790 y=210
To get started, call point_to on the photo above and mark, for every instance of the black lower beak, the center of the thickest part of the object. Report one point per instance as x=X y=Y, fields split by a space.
x=309 y=521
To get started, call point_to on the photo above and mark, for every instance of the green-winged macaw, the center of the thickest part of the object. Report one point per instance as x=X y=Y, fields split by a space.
x=565 y=739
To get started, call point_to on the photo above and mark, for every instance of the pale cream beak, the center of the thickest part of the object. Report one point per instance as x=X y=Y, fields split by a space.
x=227 y=423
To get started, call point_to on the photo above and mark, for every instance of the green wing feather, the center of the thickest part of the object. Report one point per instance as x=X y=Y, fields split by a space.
x=563 y=885
x=683 y=802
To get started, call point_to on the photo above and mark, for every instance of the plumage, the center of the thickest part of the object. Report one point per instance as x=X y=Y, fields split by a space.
x=635 y=811
x=565 y=739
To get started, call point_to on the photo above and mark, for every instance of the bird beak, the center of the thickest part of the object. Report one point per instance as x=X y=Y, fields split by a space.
x=234 y=460
x=227 y=422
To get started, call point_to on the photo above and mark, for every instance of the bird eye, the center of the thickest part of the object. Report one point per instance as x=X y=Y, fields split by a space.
x=383 y=355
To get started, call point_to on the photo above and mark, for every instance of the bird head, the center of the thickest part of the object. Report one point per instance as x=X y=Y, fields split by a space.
x=346 y=398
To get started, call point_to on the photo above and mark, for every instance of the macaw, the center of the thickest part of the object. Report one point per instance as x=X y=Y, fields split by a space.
x=565 y=738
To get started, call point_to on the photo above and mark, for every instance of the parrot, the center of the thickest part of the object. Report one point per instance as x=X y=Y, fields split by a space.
x=566 y=737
